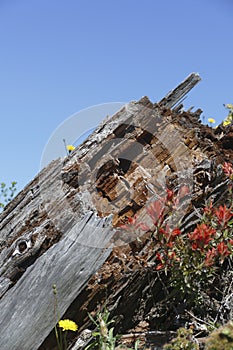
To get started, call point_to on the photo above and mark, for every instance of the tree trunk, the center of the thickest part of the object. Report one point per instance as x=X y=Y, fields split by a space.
x=63 y=228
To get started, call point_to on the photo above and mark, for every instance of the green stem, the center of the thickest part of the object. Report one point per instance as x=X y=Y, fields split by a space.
x=65 y=340
x=56 y=319
x=57 y=338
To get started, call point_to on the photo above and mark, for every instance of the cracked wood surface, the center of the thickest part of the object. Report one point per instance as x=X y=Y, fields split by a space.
x=57 y=229
x=27 y=310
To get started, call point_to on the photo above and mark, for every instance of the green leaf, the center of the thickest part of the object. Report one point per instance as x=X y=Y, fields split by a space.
x=92 y=319
x=111 y=333
x=95 y=334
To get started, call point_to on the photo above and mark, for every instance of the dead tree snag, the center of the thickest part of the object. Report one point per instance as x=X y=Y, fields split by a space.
x=63 y=227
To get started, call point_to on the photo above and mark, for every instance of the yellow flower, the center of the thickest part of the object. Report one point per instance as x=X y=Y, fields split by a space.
x=226 y=122
x=211 y=120
x=70 y=148
x=68 y=325
x=229 y=105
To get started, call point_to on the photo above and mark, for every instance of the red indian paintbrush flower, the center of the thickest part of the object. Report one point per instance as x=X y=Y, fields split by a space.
x=175 y=232
x=228 y=170
x=223 y=249
x=167 y=236
x=223 y=214
x=210 y=257
x=155 y=210
x=201 y=236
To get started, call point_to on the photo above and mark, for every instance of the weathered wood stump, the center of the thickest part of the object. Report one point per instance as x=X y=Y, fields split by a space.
x=63 y=227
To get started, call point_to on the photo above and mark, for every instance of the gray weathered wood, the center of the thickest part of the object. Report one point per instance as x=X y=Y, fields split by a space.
x=52 y=232
x=174 y=96
x=27 y=309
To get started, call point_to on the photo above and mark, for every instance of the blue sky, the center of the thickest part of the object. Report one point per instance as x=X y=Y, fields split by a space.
x=59 y=57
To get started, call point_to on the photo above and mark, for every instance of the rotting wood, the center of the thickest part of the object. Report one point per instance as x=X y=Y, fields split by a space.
x=68 y=264
x=123 y=164
x=174 y=96
x=128 y=279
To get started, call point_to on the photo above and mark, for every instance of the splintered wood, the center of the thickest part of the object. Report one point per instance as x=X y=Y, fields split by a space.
x=64 y=227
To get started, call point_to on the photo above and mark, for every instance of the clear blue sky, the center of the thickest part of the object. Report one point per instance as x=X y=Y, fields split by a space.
x=59 y=57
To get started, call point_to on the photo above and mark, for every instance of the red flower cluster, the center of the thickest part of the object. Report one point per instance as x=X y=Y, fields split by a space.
x=207 y=243
x=174 y=200
x=210 y=257
x=167 y=236
x=228 y=170
x=156 y=211
x=223 y=214
x=201 y=236
x=221 y=251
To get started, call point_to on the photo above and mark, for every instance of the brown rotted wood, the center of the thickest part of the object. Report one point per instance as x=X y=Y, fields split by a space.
x=57 y=229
